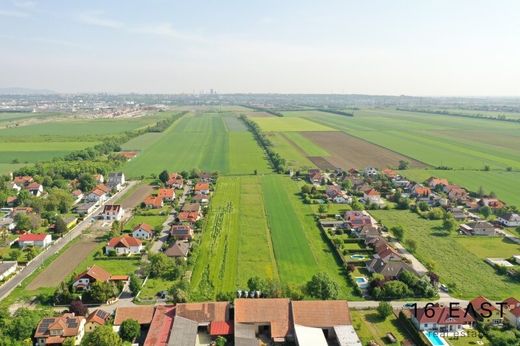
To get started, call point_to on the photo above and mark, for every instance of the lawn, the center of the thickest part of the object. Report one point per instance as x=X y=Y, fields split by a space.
x=10 y=167
x=434 y=139
x=283 y=124
x=369 y=326
x=505 y=184
x=485 y=247
x=115 y=266
x=154 y=221
x=463 y=271
x=153 y=286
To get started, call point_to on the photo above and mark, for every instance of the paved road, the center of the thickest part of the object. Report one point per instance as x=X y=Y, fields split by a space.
x=371 y=304
x=56 y=247
x=163 y=237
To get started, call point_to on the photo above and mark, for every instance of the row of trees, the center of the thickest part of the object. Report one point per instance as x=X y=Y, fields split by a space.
x=500 y=117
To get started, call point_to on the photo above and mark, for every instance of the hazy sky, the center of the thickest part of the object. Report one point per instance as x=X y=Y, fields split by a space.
x=391 y=47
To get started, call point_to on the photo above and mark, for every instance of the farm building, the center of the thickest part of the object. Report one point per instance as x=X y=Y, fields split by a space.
x=36 y=240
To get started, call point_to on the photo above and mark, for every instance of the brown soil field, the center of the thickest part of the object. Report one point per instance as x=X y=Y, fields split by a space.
x=136 y=196
x=321 y=162
x=63 y=266
x=347 y=151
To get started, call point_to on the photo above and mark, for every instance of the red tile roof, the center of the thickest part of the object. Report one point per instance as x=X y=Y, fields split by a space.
x=166 y=193
x=111 y=208
x=372 y=192
x=321 y=313
x=201 y=186
x=204 y=312
x=142 y=314
x=220 y=328
x=102 y=187
x=95 y=272
x=441 y=315
x=271 y=310
x=145 y=227
x=159 y=331
x=185 y=216
x=32 y=237
x=124 y=241
x=98 y=316
x=477 y=304
x=154 y=201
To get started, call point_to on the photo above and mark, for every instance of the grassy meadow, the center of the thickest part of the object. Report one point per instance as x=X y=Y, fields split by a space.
x=456 y=259
x=285 y=124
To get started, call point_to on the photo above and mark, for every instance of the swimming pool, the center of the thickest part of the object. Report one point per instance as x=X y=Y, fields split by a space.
x=357 y=257
x=361 y=280
x=435 y=339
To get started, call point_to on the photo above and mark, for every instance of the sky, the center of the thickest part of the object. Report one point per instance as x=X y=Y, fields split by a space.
x=391 y=47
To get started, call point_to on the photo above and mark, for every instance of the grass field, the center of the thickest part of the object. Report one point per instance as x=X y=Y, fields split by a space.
x=9 y=167
x=369 y=326
x=434 y=139
x=307 y=145
x=461 y=269
x=258 y=226
x=489 y=247
x=294 y=156
x=283 y=124
x=505 y=184
x=142 y=142
x=38 y=151
x=199 y=141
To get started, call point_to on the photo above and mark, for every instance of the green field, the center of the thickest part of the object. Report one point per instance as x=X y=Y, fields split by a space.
x=310 y=148
x=369 y=326
x=199 y=141
x=505 y=184
x=434 y=139
x=38 y=151
x=258 y=226
x=283 y=124
x=461 y=269
x=294 y=157
x=142 y=142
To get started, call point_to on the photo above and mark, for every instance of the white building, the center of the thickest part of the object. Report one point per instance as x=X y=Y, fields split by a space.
x=7 y=268
x=116 y=180
x=112 y=212
x=34 y=240
x=124 y=245
x=509 y=220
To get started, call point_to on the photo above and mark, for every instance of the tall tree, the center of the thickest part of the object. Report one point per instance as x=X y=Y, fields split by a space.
x=164 y=176
x=102 y=336
x=322 y=286
x=130 y=330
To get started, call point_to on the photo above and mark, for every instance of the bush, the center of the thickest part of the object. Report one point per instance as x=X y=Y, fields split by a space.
x=384 y=310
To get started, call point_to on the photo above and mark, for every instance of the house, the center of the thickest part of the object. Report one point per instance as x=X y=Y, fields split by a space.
x=179 y=249
x=11 y=201
x=333 y=191
x=99 y=178
x=372 y=196
x=212 y=317
x=443 y=319
x=458 y=213
x=89 y=276
x=479 y=228
x=387 y=253
x=153 y=202
x=142 y=314
x=434 y=182
x=34 y=240
x=200 y=198
x=270 y=315
x=202 y=187
x=390 y=269
x=493 y=203
x=143 y=231
x=116 y=181
x=166 y=194
x=112 y=212
x=315 y=177
x=189 y=217
x=35 y=189
x=456 y=193
x=96 y=318
x=421 y=191
x=509 y=220
x=124 y=245
x=98 y=194
x=161 y=326
x=7 y=268
x=357 y=219
x=512 y=312
x=14 y=186
x=323 y=322
x=77 y=195
x=192 y=207
x=389 y=173
x=54 y=330
x=368 y=231
x=342 y=199
x=181 y=232
x=128 y=155
x=176 y=181
x=370 y=172
x=483 y=310
x=85 y=208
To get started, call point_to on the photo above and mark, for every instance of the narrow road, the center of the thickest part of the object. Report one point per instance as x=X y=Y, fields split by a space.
x=163 y=237
x=397 y=304
x=59 y=244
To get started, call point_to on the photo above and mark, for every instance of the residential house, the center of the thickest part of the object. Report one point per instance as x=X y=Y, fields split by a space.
x=112 y=212
x=458 y=213
x=166 y=194
x=443 y=319
x=420 y=191
x=77 y=195
x=35 y=189
x=85 y=208
x=323 y=323
x=202 y=187
x=22 y=181
x=512 y=312
x=98 y=194
x=357 y=219
x=153 y=202
x=7 y=268
x=390 y=269
x=386 y=253
x=368 y=231
x=14 y=186
x=192 y=207
x=54 y=330
x=116 y=181
x=316 y=177
x=95 y=274
x=124 y=245
x=390 y=173
x=483 y=310
x=34 y=240
x=434 y=182
x=11 y=201
x=200 y=198
x=509 y=220
x=142 y=314
x=493 y=203
x=175 y=180
x=128 y=155
x=181 y=232
x=143 y=231
x=372 y=196
x=342 y=199
x=479 y=228
x=456 y=193
x=95 y=319
x=370 y=172
x=188 y=216
x=270 y=316
x=333 y=191
x=179 y=249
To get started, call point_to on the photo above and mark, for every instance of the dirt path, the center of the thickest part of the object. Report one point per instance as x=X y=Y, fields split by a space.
x=63 y=266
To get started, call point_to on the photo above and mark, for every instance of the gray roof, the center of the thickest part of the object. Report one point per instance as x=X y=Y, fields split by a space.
x=183 y=333
x=245 y=335
x=178 y=249
x=390 y=268
x=5 y=266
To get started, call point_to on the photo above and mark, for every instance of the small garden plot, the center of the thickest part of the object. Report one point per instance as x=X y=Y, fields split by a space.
x=369 y=326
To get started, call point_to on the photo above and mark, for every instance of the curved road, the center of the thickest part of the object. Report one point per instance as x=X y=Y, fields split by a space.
x=16 y=280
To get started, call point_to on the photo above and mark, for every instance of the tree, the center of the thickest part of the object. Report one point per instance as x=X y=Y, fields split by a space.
x=423 y=206
x=395 y=289
x=398 y=232
x=436 y=214
x=78 y=308
x=220 y=341
x=322 y=209
x=31 y=253
x=164 y=176
x=23 y=222
x=449 y=224
x=256 y=283
x=160 y=265
x=480 y=192
x=70 y=341
x=403 y=203
x=485 y=211
x=102 y=336
x=130 y=330
x=14 y=254
x=60 y=226
x=322 y=286
x=384 y=310
x=86 y=182
x=403 y=164
x=101 y=292
x=135 y=284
